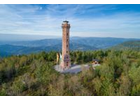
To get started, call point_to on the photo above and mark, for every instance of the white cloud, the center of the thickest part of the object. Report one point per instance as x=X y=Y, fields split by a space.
x=38 y=20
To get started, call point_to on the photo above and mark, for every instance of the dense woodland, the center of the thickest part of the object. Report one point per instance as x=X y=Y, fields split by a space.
x=119 y=74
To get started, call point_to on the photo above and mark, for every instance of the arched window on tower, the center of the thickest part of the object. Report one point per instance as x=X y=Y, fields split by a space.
x=67 y=64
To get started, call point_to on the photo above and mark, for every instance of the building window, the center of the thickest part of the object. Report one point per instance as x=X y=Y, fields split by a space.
x=67 y=64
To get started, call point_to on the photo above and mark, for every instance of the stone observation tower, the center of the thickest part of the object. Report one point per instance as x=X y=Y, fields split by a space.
x=65 y=63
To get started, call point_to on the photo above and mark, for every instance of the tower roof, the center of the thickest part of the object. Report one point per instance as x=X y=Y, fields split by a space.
x=65 y=22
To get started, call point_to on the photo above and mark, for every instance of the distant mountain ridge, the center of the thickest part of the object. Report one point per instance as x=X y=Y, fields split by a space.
x=90 y=41
x=128 y=45
x=18 y=50
x=76 y=43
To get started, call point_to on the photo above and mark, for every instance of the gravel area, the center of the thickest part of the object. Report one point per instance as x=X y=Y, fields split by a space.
x=72 y=69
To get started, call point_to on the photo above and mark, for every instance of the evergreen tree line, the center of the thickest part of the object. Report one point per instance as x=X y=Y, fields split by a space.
x=34 y=74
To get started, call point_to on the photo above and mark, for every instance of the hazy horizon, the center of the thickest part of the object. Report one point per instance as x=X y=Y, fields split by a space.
x=22 y=37
x=86 y=20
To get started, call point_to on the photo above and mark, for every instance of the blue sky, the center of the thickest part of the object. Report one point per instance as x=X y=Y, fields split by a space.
x=86 y=20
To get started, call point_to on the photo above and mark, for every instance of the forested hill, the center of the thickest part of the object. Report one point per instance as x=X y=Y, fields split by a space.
x=34 y=74
x=129 y=45
x=76 y=43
